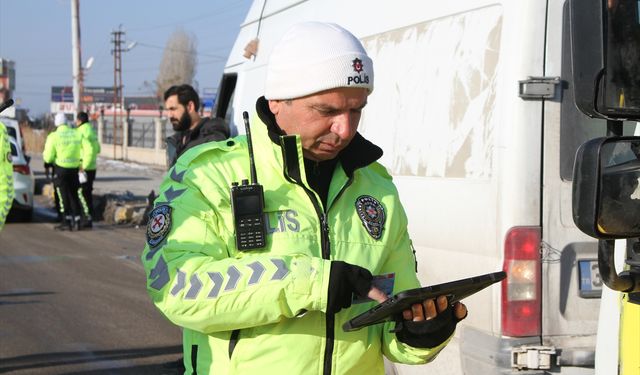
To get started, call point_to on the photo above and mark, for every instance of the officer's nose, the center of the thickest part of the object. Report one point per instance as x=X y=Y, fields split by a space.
x=344 y=124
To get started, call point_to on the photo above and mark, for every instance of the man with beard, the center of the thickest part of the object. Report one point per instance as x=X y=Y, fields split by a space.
x=182 y=104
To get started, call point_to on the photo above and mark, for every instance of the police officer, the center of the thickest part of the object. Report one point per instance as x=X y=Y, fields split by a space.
x=333 y=220
x=6 y=175
x=89 y=165
x=63 y=148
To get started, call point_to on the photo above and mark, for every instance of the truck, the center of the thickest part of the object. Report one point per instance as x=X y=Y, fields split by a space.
x=474 y=106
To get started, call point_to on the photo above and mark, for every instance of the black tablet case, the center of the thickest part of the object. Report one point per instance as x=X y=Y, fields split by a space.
x=454 y=290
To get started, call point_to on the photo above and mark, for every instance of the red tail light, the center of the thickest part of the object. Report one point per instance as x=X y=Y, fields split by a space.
x=521 y=291
x=22 y=169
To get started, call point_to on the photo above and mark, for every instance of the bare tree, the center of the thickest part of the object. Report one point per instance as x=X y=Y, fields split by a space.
x=178 y=63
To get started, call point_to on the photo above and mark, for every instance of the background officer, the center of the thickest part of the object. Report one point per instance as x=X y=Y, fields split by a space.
x=89 y=164
x=63 y=148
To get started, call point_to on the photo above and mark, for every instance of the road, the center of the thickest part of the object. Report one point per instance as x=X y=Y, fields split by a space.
x=75 y=302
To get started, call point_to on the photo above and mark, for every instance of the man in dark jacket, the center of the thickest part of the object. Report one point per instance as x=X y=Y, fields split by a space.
x=182 y=104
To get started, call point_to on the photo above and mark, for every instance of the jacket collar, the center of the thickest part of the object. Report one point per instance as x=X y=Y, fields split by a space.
x=359 y=153
x=193 y=133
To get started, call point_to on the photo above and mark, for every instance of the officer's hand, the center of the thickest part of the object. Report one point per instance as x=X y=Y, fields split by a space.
x=430 y=309
x=377 y=295
x=430 y=323
x=345 y=281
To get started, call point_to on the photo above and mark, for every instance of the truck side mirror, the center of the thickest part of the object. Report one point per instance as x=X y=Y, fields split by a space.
x=606 y=188
x=605 y=40
x=606 y=200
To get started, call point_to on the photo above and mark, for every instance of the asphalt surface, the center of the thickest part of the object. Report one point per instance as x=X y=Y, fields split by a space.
x=75 y=302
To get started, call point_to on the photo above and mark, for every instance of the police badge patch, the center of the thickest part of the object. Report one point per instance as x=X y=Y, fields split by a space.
x=372 y=215
x=158 y=225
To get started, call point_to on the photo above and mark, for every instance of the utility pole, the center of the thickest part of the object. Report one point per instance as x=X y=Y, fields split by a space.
x=75 y=55
x=117 y=37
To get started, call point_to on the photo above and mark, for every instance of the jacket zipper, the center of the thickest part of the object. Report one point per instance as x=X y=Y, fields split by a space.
x=325 y=247
x=326 y=254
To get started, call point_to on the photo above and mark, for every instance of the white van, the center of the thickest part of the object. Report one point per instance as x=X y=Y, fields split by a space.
x=474 y=110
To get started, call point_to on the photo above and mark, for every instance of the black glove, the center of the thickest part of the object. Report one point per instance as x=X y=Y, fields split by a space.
x=427 y=333
x=345 y=280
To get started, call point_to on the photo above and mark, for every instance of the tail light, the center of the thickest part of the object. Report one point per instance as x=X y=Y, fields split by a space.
x=521 y=291
x=22 y=169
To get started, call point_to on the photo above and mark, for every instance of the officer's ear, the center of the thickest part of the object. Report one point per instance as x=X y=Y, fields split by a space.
x=274 y=106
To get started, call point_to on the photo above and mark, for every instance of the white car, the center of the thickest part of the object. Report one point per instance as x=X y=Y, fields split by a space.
x=13 y=129
x=23 y=184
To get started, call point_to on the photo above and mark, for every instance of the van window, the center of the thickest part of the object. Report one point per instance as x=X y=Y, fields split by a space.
x=576 y=127
x=226 y=91
x=225 y=94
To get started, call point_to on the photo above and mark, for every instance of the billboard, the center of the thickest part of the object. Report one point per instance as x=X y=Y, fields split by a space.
x=93 y=97
x=91 y=94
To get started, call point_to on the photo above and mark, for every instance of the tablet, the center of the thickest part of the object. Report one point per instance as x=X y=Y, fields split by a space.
x=454 y=290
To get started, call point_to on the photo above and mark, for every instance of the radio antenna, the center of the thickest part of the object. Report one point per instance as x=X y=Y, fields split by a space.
x=8 y=103
x=252 y=165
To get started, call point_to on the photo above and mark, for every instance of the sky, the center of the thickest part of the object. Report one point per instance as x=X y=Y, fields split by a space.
x=36 y=35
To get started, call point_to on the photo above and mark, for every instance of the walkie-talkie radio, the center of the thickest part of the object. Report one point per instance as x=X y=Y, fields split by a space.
x=247 y=204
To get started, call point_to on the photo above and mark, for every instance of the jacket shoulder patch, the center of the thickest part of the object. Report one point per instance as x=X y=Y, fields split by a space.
x=159 y=225
x=371 y=213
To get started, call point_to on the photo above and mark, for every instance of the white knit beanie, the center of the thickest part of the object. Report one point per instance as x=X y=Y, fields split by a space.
x=316 y=56
x=60 y=119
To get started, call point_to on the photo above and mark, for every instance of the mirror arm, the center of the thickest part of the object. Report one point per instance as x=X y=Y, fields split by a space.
x=624 y=282
x=614 y=128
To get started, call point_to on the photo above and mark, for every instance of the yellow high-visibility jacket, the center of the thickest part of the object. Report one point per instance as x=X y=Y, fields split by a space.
x=264 y=311
x=6 y=175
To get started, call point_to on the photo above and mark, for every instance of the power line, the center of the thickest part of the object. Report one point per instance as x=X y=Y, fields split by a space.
x=192 y=19
x=181 y=51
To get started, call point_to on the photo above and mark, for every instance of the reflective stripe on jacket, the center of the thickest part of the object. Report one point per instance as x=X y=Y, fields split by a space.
x=64 y=147
x=89 y=153
x=6 y=175
x=262 y=311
